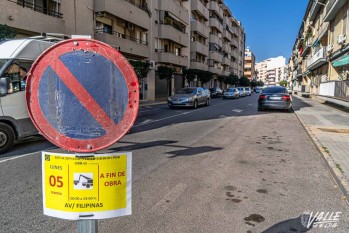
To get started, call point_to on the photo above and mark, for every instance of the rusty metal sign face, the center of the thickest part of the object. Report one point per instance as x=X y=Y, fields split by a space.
x=82 y=95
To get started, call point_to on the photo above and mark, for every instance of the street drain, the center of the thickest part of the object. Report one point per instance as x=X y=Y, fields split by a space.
x=334 y=130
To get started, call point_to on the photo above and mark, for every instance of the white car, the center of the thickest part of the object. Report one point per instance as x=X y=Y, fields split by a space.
x=241 y=91
x=248 y=91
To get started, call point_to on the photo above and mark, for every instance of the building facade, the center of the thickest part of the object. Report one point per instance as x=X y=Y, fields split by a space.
x=250 y=61
x=273 y=70
x=192 y=34
x=319 y=60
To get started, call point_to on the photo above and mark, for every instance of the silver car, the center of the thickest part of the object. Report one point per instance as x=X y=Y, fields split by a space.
x=189 y=97
x=248 y=91
x=241 y=91
x=231 y=93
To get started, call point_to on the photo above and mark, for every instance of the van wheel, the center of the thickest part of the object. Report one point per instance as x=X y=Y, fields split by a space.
x=207 y=102
x=7 y=138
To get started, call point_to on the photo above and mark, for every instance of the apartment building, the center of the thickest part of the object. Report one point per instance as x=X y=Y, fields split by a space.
x=272 y=70
x=319 y=61
x=250 y=61
x=196 y=34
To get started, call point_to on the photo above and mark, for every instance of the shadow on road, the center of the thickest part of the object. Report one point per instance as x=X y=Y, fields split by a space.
x=291 y=225
x=138 y=146
x=193 y=151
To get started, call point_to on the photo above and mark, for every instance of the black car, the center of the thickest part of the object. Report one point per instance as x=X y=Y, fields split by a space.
x=216 y=92
x=275 y=97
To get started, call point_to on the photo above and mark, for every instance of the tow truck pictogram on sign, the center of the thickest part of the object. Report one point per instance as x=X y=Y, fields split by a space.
x=83 y=180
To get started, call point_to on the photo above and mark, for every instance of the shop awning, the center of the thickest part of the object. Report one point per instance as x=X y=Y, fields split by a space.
x=341 y=62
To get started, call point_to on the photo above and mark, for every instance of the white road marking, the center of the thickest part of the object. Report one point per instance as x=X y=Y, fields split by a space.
x=17 y=157
x=165 y=202
x=237 y=110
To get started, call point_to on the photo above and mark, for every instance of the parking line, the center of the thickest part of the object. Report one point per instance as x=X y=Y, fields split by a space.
x=17 y=157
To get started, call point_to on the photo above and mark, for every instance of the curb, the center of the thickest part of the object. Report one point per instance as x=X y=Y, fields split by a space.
x=151 y=104
x=329 y=163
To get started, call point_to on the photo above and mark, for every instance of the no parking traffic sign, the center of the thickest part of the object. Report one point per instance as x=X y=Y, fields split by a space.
x=82 y=95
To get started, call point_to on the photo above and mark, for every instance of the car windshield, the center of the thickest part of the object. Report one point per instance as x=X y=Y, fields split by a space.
x=212 y=89
x=240 y=88
x=247 y=88
x=2 y=63
x=274 y=90
x=231 y=90
x=187 y=91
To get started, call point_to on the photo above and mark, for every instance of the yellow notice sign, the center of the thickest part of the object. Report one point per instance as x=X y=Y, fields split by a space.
x=86 y=187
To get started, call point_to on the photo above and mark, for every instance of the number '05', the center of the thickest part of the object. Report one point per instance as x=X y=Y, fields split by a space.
x=56 y=181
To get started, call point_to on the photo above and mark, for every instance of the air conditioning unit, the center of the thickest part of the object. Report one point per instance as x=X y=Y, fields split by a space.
x=341 y=39
x=101 y=14
x=152 y=65
x=329 y=48
x=130 y=26
x=118 y=48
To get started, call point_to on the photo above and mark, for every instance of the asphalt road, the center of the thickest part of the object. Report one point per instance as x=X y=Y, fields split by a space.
x=222 y=168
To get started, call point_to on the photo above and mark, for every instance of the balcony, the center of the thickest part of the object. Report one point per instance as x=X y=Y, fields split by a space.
x=332 y=8
x=307 y=45
x=200 y=28
x=196 y=5
x=124 y=10
x=225 y=73
x=226 y=34
x=226 y=61
x=172 y=58
x=176 y=9
x=226 y=48
x=214 y=6
x=126 y=44
x=235 y=43
x=171 y=33
x=215 y=39
x=215 y=70
x=216 y=23
x=198 y=65
x=215 y=56
x=317 y=60
x=23 y=13
x=198 y=47
x=317 y=4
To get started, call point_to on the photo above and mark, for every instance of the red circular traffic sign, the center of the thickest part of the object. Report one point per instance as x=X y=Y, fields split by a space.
x=82 y=95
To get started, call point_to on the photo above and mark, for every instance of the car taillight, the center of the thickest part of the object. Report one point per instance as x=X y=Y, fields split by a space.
x=262 y=97
x=286 y=97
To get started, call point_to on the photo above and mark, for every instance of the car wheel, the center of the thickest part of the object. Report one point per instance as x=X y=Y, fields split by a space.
x=195 y=104
x=171 y=107
x=207 y=102
x=7 y=138
x=223 y=97
x=259 y=108
x=290 y=110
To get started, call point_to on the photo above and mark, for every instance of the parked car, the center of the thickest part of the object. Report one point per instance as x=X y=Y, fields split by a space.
x=248 y=91
x=241 y=91
x=207 y=90
x=258 y=90
x=189 y=97
x=290 y=91
x=216 y=92
x=275 y=97
x=231 y=93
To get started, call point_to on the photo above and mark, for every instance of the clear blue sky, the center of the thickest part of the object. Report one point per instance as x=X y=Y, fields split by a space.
x=271 y=26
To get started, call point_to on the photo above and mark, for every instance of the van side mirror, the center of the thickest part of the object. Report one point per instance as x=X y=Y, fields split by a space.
x=4 y=84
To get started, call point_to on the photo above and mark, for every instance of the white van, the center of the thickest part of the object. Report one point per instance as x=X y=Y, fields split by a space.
x=16 y=58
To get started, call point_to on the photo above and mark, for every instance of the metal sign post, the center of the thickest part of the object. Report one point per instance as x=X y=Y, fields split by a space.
x=83 y=96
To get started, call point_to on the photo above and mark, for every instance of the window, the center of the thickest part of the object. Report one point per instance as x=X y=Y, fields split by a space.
x=16 y=73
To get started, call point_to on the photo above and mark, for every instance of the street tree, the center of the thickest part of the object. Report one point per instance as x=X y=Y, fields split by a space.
x=232 y=79
x=141 y=69
x=167 y=73
x=283 y=83
x=205 y=76
x=244 y=81
x=7 y=32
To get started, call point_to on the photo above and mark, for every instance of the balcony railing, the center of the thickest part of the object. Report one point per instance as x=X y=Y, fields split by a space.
x=172 y=52
x=317 y=60
x=143 y=6
x=171 y=22
x=37 y=8
x=120 y=35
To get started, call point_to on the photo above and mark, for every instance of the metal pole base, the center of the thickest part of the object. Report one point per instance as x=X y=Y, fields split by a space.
x=87 y=226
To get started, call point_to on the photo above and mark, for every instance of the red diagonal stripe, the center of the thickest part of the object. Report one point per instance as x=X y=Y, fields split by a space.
x=82 y=95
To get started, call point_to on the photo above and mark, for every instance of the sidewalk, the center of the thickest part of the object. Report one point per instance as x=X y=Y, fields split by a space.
x=329 y=129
